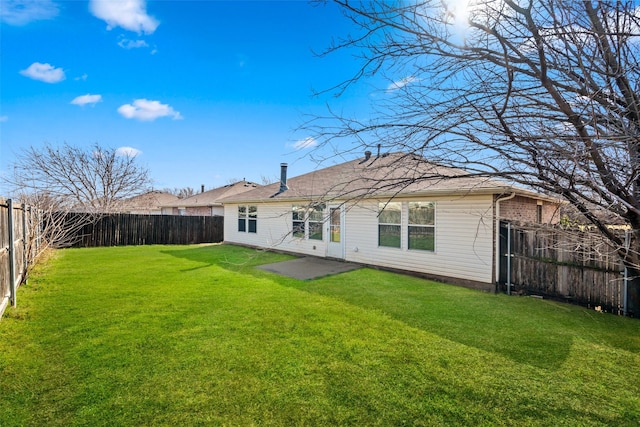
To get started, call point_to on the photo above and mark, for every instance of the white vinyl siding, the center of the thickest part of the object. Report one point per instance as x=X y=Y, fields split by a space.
x=463 y=236
x=275 y=230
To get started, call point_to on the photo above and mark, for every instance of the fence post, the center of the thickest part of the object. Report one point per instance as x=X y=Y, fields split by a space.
x=627 y=244
x=508 y=258
x=38 y=221
x=12 y=256
x=25 y=234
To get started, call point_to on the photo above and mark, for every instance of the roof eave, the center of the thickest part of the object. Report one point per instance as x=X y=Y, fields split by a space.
x=420 y=193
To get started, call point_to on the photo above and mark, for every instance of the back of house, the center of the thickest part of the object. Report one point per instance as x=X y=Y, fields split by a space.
x=394 y=211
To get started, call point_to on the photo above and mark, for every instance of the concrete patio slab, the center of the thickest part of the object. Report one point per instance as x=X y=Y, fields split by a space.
x=308 y=268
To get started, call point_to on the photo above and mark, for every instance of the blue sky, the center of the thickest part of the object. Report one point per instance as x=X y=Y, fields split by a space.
x=204 y=91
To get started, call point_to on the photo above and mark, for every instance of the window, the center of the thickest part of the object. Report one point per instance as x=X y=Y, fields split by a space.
x=422 y=225
x=298 y=221
x=539 y=214
x=253 y=219
x=248 y=219
x=334 y=225
x=242 y=218
x=315 y=222
x=389 y=224
x=305 y=218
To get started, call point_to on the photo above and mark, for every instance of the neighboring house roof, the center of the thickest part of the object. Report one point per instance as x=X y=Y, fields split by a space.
x=152 y=200
x=212 y=197
x=389 y=175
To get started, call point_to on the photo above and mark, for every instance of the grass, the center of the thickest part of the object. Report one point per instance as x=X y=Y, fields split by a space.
x=194 y=335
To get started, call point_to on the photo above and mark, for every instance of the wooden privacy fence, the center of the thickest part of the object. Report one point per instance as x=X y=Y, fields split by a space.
x=133 y=229
x=574 y=264
x=19 y=239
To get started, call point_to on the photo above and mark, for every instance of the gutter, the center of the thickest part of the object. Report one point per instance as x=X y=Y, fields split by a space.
x=504 y=199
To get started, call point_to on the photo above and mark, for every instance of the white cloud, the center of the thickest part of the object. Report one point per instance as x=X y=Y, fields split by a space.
x=22 y=12
x=130 y=15
x=4 y=119
x=82 y=77
x=44 y=72
x=128 y=152
x=146 y=110
x=399 y=84
x=308 y=142
x=132 y=44
x=86 y=99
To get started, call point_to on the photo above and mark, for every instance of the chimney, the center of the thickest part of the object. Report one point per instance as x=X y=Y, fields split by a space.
x=202 y=188
x=283 y=177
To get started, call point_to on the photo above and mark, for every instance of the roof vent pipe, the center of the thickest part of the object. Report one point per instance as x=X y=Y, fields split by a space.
x=283 y=177
x=367 y=155
x=379 y=145
x=202 y=188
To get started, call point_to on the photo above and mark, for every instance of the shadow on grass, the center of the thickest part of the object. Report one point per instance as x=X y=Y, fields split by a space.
x=228 y=257
x=480 y=320
x=537 y=333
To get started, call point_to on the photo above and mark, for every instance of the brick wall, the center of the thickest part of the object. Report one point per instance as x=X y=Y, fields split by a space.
x=194 y=211
x=524 y=209
x=198 y=211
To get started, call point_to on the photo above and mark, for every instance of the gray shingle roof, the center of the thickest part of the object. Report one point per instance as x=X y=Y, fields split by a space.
x=148 y=201
x=212 y=197
x=396 y=174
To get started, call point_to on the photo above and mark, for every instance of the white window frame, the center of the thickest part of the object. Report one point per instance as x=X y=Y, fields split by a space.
x=303 y=221
x=412 y=224
x=247 y=214
x=382 y=206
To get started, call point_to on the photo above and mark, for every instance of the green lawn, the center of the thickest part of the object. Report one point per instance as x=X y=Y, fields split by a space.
x=194 y=335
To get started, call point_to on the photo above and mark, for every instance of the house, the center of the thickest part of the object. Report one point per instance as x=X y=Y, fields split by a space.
x=206 y=203
x=394 y=211
x=148 y=203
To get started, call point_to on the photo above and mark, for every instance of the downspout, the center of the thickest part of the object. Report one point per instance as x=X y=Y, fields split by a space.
x=498 y=255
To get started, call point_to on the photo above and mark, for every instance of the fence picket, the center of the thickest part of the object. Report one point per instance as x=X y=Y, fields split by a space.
x=576 y=265
x=16 y=248
x=132 y=229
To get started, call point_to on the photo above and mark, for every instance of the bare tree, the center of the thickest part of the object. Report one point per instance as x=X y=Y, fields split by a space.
x=181 y=193
x=60 y=181
x=266 y=180
x=93 y=179
x=51 y=225
x=541 y=93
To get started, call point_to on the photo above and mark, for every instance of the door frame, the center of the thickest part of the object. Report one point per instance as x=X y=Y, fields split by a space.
x=335 y=249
